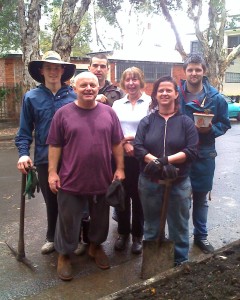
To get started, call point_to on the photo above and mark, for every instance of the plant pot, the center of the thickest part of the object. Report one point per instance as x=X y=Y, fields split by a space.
x=202 y=120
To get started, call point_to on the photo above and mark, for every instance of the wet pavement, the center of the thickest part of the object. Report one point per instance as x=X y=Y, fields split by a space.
x=17 y=281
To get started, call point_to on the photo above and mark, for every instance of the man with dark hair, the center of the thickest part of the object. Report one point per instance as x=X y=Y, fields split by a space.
x=197 y=95
x=108 y=92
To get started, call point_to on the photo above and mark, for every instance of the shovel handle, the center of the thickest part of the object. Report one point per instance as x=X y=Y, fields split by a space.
x=21 y=247
x=164 y=209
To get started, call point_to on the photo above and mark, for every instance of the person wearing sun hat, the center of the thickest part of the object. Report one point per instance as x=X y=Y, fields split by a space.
x=38 y=108
x=35 y=67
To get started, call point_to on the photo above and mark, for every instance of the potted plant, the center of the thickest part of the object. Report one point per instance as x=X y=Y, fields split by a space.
x=203 y=119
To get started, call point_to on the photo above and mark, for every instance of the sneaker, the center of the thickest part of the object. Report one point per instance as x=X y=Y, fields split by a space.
x=81 y=249
x=47 y=248
x=204 y=245
x=137 y=245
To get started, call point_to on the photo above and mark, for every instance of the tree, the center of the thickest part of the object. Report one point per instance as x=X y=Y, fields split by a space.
x=9 y=27
x=126 y=17
x=29 y=16
x=82 y=39
x=211 y=39
x=69 y=25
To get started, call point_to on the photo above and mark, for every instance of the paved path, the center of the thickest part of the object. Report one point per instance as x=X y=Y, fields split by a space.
x=18 y=282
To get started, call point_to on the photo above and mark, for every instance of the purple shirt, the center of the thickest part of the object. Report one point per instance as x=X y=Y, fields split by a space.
x=86 y=137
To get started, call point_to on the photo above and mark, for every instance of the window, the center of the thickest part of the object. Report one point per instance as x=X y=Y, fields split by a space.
x=152 y=71
x=196 y=48
x=233 y=41
x=78 y=71
x=232 y=77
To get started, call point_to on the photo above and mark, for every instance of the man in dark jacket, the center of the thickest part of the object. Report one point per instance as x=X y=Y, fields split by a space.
x=108 y=92
x=38 y=108
x=197 y=95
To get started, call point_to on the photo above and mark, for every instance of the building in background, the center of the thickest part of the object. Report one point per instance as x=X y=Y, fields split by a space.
x=155 y=63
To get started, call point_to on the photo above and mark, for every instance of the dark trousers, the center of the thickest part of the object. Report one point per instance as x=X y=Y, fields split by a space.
x=50 y=200
x=72 y=209
x=133 y=206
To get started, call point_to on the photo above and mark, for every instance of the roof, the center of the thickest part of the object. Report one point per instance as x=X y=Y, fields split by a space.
x=157 y=54
x=141 y=53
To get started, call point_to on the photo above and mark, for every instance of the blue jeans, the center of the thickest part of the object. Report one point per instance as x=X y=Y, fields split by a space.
x=199 y=215
x=151 y=195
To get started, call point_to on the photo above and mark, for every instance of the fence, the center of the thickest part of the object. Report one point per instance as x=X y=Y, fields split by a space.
x=10 y=103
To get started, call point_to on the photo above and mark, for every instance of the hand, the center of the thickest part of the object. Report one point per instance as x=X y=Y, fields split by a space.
x=119 y=174
x=154 y=168
x=169 y=172
x=101 y=98
x=24 y=163
x=129 y=149
x=54 y=182
x=204 y=130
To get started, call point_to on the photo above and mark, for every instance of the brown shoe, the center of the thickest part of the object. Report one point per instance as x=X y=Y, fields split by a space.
x=64 y=268
x=101 y=259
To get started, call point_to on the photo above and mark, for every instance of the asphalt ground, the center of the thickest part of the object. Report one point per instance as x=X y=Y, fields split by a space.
x=17 y=281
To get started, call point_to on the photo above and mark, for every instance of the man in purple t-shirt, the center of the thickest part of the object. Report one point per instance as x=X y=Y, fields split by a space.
x=83 y=135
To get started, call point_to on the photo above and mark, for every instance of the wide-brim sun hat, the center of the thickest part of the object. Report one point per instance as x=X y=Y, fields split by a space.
x=51 y=57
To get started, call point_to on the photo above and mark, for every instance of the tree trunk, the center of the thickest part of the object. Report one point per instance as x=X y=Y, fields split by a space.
x=211 y=40
x=68 y=27
x=29 y=29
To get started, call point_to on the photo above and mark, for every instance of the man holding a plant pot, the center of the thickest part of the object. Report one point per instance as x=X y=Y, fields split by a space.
x=197 y=96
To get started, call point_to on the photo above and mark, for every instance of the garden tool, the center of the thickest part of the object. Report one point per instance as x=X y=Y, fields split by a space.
x=158 y=255
x=29 y=184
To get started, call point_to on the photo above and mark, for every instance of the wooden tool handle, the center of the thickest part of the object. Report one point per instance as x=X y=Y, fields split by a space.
x=164 y=209
x=21 y=246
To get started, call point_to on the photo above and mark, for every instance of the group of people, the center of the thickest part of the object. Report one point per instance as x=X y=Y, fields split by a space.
x=89 y=134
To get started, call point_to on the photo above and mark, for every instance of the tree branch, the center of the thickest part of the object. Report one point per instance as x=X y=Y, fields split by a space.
x=166 y=13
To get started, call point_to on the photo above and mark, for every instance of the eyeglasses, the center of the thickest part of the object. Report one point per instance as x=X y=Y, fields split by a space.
x=96 y=66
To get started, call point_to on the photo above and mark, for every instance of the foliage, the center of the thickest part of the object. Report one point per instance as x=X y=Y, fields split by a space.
x=211 y=40
x=233 y=22
x=126 y=16
x=108 y=9
x=153 y=5
x=71 y=15
x=3 y=93
x=10 y=101
x=9 y=29
x=45 y=41
x=83 y=38
x=15 y=91
x=68 y=30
